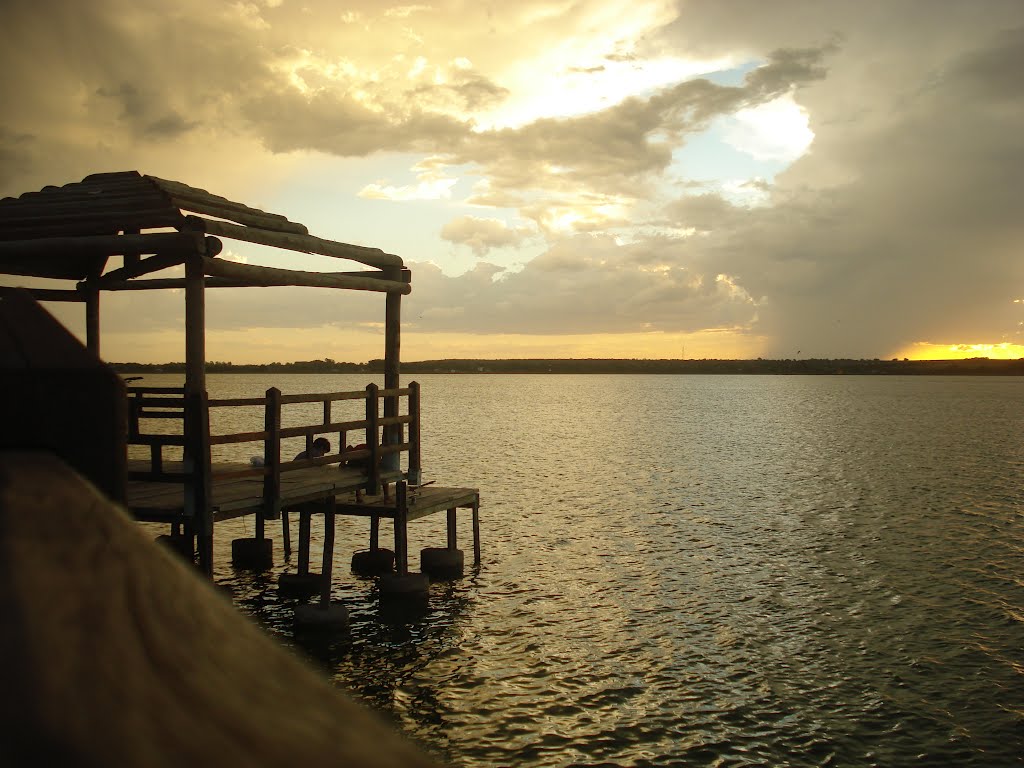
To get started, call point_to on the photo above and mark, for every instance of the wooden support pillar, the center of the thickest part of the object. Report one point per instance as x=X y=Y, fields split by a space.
x=374 y=533
x=195 y=324
x=451 y=529
x=327 y=567
x=415 y=470
x=401 y=529
x=392 y=357
x=92 y=320
x=286 y=534
x=304 y=525
x=271 y=461
x=476 y=532
x=198 y=498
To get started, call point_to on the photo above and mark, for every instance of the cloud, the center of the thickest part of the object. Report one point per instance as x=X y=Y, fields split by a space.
x=482 y=234
x=428 y=189
x=616 y=153
x=775 y=130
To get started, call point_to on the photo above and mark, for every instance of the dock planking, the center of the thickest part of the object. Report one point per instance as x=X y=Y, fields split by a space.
x=238 y=496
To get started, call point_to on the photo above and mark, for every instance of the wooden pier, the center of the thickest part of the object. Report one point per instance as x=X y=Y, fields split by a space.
x=349 y=482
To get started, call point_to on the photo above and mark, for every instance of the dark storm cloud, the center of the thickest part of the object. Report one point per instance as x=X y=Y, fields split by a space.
x=918 y=239
x=286 y=120
x=145 y=114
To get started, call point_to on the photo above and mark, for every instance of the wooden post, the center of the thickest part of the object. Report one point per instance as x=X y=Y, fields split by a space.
x=476 y=531
x=451 y=529
x=198 y=501
x=401 y=529
x=415 y=470
x=392 y=354
x=374 y=533
x=286 y=534
x=92 y=319
x=327 y=568
x=304 y=520
x=195 y=324
x=271 y=460
x=372 y=440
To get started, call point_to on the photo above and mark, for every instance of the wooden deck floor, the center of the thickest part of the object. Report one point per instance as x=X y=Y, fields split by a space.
x=234 y=497
x=420 y=502
x=305 y=491
x=243 y=496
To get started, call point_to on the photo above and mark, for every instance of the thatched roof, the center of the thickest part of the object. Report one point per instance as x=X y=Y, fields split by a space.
x=69 y=232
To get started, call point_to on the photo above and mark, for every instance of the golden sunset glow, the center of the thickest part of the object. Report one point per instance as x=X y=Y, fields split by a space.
x=924 y=350
x=264 y=345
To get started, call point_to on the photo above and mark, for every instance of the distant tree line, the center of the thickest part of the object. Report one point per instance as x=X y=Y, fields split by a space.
x=978 y=366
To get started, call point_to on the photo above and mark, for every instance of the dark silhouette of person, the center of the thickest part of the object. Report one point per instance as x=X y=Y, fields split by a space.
x=321 y=447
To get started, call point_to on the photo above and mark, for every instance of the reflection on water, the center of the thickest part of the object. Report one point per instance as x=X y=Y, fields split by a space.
x=700 y=570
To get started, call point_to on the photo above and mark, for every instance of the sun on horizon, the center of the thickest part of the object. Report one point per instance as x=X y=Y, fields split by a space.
x=923 y=350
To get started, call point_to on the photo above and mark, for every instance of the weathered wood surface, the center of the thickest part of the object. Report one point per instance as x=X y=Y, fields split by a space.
x=118 y=653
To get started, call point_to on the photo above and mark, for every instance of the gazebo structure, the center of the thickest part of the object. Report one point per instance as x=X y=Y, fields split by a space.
x=71 y=233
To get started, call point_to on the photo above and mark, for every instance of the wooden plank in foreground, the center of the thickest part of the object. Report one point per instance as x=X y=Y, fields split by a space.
x=118 y=653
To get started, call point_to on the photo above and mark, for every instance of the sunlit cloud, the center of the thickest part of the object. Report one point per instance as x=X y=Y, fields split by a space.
x=564 y=90
x=776 y=130
x=427 y=189
x=404 y=11
x=483 y=234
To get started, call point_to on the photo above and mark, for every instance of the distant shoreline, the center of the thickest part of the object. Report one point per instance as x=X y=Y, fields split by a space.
x=979 y=366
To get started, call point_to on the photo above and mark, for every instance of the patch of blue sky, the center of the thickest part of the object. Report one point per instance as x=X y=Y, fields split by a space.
x=708 y=159
x=733 y=76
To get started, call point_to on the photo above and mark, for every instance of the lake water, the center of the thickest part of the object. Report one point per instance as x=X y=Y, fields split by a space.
x=699 y=570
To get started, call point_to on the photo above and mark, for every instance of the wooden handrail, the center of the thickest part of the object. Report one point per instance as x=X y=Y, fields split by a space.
x=377 y=428
x=178 y=440
x=161 y=401
x=315 y=398
x=236 y=401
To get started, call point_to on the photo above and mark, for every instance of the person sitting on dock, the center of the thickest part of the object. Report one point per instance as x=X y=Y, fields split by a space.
x=321 y=447
x=357 y=463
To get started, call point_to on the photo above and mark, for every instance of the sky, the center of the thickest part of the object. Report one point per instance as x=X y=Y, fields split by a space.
x=588 y=178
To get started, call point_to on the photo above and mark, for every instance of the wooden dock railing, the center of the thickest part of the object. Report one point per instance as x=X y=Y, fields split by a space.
x=384 y=439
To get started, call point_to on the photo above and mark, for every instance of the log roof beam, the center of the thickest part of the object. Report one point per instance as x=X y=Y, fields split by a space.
x=373 y=257
x=104 y=245
x=254 y=275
